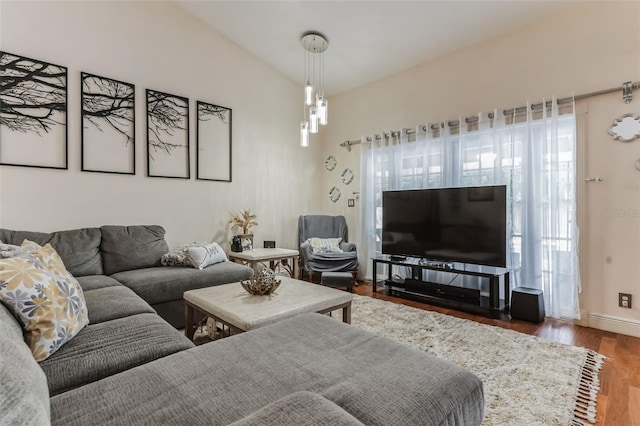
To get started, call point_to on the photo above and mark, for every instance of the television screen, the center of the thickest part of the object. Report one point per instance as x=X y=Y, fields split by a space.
x=466 y=224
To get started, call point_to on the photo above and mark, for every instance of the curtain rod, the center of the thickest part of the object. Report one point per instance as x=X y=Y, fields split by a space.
x=627 y=96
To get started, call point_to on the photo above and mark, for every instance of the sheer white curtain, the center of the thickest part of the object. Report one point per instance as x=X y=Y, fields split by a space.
x=535 y=155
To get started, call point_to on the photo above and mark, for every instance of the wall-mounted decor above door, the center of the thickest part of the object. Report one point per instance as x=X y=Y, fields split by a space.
x=213 y=142
x=33 y=113
x=108 y=125
x=625 y=128
x=167 y=135
x=330 y=163
x=334 y=194
x=347 y=176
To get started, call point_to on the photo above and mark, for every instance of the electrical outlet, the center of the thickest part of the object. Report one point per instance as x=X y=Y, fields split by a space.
x=624 y=300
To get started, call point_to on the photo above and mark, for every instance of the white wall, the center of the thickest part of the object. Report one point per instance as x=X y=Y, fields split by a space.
x=157 y=45
x=591 y=47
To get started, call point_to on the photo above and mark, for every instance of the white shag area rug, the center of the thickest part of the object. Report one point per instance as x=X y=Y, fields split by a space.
x=527 y=380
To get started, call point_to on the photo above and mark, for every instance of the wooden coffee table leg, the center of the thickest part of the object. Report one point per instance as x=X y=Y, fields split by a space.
x=188 y=321
x=346 y=314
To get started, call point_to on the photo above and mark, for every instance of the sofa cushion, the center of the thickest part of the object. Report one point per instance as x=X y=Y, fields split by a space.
x=78 y=248
x=92 y=282
x=173 y=312
x=24 y=396
x=110 y=303
x=10 y=326
x=132 y=247
x=110 y=347
x=375 y=379
x=46 y=299
x=300 y=409
x=165 y=283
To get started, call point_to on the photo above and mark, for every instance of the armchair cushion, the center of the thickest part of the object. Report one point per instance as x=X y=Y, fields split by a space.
x=325 y=245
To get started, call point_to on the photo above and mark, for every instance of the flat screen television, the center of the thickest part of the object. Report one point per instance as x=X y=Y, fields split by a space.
x=465 y=224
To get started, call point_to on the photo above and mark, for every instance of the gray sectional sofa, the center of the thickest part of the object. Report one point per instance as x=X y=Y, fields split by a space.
x=129 y=367
x=130 y=255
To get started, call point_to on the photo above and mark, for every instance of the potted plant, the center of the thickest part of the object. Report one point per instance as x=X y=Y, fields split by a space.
x=245 y=221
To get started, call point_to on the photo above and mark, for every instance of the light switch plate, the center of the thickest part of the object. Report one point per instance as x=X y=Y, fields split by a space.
x=351 y=202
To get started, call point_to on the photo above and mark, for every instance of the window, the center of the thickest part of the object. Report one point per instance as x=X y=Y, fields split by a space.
x=535 y=158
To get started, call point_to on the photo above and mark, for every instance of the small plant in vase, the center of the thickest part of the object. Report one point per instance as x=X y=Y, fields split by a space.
x=245 y=221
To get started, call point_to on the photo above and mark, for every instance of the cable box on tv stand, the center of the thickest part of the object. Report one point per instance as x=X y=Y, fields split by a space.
x=442 y=290
x=439 y=265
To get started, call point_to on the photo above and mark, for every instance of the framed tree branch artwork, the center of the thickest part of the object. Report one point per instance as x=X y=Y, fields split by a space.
x=108 y=125
x=33 y=113
x=167 y=135
x=213 y=142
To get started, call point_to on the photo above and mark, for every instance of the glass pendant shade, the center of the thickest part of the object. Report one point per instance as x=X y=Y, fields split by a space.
x=313 y=120
x=304 y=133
x=308 y=94
x=323 y=112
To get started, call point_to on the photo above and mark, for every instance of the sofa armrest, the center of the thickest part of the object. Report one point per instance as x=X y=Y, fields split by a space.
x=345 y=246
x=306 y=249
x=306 y=253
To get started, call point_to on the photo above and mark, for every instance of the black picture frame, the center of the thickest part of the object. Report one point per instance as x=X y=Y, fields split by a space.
x=108 y=125
x=213 y=142
x=33 y=113
x=168 y=152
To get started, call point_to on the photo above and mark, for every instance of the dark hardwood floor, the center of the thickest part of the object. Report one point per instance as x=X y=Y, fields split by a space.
x=619 y=396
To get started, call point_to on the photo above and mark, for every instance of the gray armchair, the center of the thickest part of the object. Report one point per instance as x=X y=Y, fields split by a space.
x=322 y=226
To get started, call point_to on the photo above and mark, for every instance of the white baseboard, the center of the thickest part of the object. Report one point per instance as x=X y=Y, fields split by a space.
x=614 y=324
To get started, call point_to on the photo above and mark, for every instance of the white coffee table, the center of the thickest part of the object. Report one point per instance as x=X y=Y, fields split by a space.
x=232 y=306
x=271 y=255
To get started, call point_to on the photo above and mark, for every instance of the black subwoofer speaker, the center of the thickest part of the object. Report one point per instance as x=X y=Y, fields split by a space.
x=527 y=304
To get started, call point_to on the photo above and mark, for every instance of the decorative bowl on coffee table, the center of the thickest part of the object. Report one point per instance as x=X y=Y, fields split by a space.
x=263 y=284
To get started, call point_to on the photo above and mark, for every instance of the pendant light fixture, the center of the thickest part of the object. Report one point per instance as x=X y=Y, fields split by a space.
x=315 y=104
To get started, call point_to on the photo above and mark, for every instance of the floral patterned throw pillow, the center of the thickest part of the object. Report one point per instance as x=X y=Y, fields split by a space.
x=44 y=297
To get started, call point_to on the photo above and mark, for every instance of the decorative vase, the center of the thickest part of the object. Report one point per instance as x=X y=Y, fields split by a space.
x=246 y=241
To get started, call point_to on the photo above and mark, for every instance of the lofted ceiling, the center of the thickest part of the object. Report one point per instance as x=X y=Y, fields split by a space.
x=368 y=40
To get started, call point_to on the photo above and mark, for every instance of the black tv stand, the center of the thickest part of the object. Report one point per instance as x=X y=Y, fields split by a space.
x=453 y=296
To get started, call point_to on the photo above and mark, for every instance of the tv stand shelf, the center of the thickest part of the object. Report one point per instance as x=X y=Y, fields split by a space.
x=453 y=296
